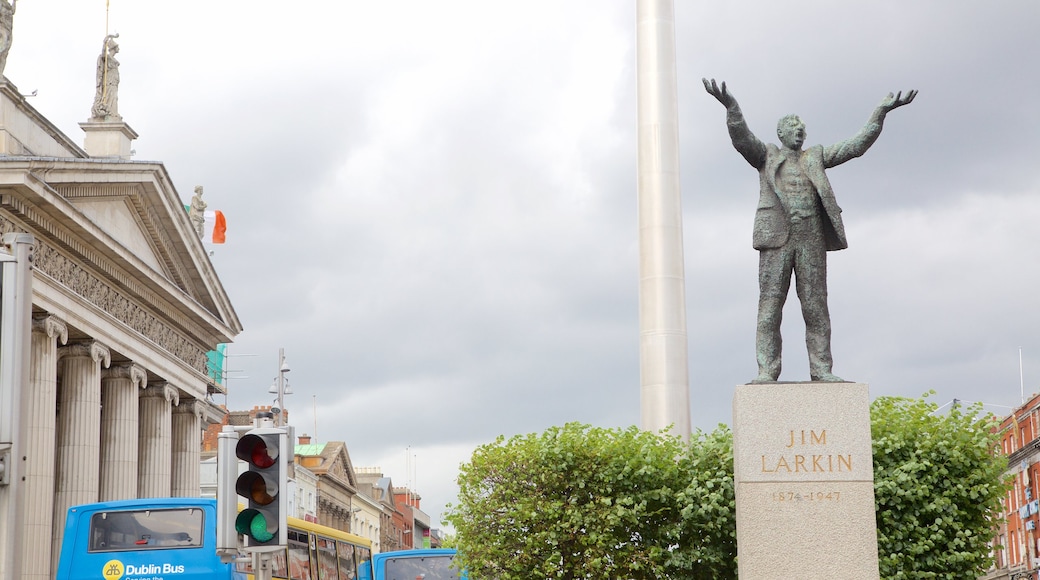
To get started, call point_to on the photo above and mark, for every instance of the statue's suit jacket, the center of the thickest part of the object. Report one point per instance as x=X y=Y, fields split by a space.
x=772 y=218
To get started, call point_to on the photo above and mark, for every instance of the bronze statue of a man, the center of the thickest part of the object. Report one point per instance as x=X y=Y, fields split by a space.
x=797 y=222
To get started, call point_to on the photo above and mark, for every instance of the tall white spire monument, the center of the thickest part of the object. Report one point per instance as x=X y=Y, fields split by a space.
x=663 y=367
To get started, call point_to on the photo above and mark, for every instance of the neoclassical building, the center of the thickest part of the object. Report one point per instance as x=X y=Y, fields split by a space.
x=126 y=305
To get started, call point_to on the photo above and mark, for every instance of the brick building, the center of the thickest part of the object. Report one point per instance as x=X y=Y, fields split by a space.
x=1016 y=547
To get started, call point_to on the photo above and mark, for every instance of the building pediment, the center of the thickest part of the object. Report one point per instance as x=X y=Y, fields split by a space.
x=336 y=466
x=125 y=219
x=114 y=246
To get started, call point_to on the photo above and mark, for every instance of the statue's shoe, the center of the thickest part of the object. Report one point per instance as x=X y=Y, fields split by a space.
x=827 y=378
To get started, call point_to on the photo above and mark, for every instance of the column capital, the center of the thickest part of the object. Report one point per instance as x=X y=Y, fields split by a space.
x=206 y=411
x=91 y=348
x=188 y=406
x=133 y=371
x=52 y=326
x=162 y=389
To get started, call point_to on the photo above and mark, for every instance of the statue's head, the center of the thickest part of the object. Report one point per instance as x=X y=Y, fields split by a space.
x=791 y=131
x=198 y=189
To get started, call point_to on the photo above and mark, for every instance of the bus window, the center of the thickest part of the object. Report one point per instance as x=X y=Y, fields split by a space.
x=427 y=568
x=364 y=560
x=299 y=558
x=112 y=531
x=279 y=566
x=327 y=568
x=345 y=551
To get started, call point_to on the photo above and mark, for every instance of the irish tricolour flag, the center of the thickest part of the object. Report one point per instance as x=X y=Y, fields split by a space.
x=214 y=228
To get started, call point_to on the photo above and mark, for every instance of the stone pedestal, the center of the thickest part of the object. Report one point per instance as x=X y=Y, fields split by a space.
x=804 y=479
x=108 y=138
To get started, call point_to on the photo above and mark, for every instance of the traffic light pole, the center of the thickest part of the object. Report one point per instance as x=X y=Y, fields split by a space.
x=15 y=334
x=262 y=566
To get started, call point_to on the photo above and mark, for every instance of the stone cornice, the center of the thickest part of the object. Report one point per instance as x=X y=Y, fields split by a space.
x=57 y=238
x=81 y=281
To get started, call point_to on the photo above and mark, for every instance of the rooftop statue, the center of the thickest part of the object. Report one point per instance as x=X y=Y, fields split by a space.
x=197 y=211
x=106 y=99
x=6 y=30
x=797 y=222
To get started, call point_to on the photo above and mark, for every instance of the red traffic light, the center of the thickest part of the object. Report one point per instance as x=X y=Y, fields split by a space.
x=255 y=450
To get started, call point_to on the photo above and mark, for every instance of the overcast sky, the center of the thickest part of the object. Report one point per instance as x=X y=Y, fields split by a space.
x=432 y=205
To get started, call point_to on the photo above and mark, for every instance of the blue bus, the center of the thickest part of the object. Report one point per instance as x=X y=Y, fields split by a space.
x=175 y=539
x=435 y=564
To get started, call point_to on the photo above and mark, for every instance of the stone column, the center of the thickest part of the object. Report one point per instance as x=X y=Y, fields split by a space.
x=119 y=430
x=187 y=447
x=79 y=432
x=154 y=455
x=39 y=446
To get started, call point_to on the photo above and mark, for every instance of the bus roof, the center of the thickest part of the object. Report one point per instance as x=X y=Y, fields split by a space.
x=159 y=502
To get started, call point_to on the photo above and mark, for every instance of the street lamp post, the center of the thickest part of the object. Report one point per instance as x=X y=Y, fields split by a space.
x=281 y=388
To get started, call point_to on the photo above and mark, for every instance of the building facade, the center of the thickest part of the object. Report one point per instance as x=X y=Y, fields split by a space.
x=126 y=305
x=1016 y=547
x=375 y=485
x=416 y=521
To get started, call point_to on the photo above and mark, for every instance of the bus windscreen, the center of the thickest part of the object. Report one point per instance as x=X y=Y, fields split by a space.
x=114 y=531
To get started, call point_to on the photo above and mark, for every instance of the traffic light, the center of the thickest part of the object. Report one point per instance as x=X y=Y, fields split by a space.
x=263 y=484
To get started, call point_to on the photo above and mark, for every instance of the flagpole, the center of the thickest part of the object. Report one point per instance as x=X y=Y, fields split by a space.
x=1021 y=377
x=104 y=48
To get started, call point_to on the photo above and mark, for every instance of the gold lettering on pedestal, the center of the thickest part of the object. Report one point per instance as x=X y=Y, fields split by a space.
x=816 y=464
x=807 y=462
x=814 y=438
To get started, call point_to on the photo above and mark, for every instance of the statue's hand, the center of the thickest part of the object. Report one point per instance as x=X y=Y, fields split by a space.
x=897 y=100
x=719 y=92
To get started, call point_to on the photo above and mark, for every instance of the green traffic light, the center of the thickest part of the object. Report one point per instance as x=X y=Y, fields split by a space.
x=253 y=524
x=258 y=529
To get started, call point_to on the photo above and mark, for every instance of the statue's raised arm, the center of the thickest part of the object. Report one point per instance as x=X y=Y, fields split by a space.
x=744 y=141
x=719 y=92
x=897 y=100
x=851 y=148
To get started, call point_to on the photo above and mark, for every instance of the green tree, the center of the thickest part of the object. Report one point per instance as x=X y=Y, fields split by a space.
x=938 y=484
x=584 y=502
x=580 y=502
